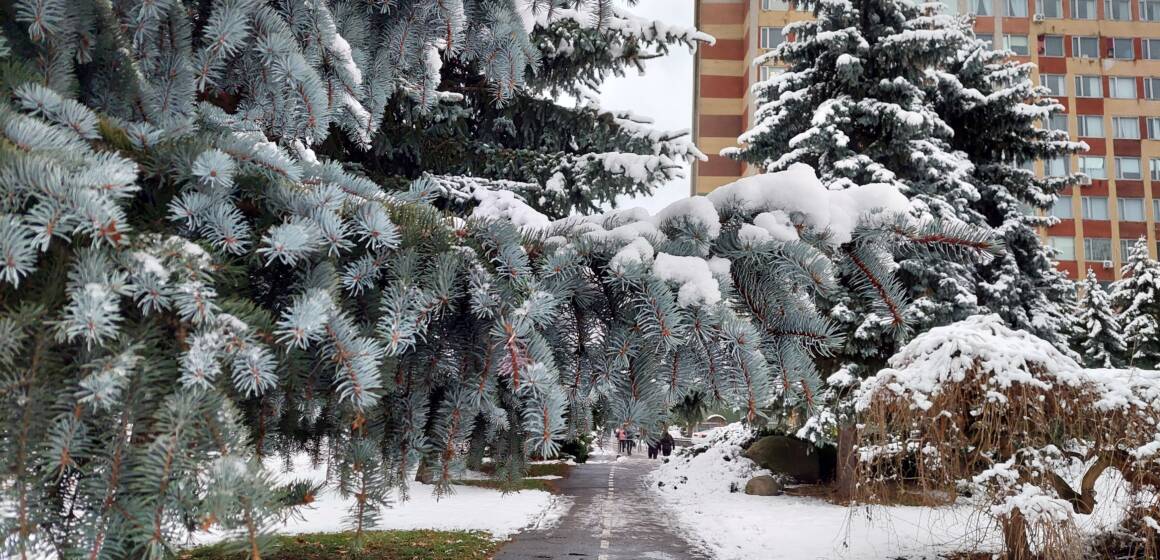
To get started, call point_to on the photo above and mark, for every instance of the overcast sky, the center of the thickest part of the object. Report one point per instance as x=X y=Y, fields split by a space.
x=664 y=92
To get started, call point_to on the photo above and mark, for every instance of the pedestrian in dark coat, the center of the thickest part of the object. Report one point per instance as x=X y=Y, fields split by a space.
x=667 y=443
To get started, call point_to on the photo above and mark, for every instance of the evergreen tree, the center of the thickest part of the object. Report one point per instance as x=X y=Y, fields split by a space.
x=900 y=94
x=1096 y=332
x=187 y=287
x=561 y=159
x=1137 y=296
x=997 y=116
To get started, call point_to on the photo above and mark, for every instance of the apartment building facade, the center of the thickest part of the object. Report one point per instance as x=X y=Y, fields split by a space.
x=1101 y=59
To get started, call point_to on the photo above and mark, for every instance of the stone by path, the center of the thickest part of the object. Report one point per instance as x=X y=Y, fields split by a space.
x=613 y=517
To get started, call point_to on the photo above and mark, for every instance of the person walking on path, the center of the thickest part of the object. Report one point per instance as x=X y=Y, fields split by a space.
x=622 y=440
x=667 y=443
x=654 y=449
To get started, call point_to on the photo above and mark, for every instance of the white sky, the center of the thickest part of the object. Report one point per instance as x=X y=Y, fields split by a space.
x=664 y=93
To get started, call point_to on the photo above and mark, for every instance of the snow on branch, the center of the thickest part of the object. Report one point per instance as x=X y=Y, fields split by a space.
x=590 y=15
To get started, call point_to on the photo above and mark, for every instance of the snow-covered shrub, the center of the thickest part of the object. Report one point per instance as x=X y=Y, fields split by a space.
x=715 y=465
x=1004 y=414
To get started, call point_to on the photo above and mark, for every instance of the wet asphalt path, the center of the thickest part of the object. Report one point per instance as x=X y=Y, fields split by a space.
x=613 y=517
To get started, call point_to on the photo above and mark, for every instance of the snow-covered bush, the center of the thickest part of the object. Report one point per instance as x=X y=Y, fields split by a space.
x=1006 y=414
x=710 y=467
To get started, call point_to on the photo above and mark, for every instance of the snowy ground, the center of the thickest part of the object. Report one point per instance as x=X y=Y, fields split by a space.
x=735 y=526
x=468 y=509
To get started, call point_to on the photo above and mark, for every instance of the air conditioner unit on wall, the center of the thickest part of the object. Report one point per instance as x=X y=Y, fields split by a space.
x=1107 y=264
x=1037 y=18
x=1085 y=180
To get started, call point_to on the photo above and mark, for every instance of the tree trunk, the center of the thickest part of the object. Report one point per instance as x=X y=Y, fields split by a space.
x=845 y=482
x=424 y=474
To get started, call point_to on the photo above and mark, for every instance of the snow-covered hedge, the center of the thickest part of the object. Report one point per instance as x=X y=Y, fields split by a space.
x=1005 y=413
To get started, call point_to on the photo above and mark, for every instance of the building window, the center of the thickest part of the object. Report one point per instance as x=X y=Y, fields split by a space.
x=1155 y=209
x=1121 y=48
x=1131 y=209
x=1097 y=249
x=772 y=5
x=1126 y=248
x=1118 y=9
x=1017 y=44
x=1064 y=247
x=1085 y=46
x=1056 y=167
x=768 y=72
x=1095 y=207
x=1015 y=8
x=1154 y=171
x=1150 y=48
x=1126 y=128
x=950 y=7
x=1088 y=86
x=1061 y=208
x=1052 y=45
x=981 y=7
x=1151 y=88
x=1090 y=126
x=1050 y=8
x=1150 y=10
x=770 y=37
x=1083 y=9
x=986 y=38
x=1154 y=128
x=1122 y=87
x=1128 y=168
x=1057 y=121
x=1093 y=166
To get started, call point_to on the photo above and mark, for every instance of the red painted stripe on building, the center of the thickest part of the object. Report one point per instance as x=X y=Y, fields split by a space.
x=722 y=14
x=718 y=166
x=729 y=87
x=724 y=49
x=720 y=126
x=1126 y=147
x=1125 y=187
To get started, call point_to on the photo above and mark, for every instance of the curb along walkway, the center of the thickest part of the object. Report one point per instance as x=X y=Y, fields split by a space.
x=613 y=517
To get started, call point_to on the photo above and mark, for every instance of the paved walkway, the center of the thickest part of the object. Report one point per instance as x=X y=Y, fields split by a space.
x=613 y=517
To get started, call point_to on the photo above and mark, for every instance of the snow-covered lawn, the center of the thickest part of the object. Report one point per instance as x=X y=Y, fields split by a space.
x=736 y=526
x=468 y=509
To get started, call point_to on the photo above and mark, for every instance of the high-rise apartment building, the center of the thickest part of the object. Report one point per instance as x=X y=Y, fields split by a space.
x=1101 y=58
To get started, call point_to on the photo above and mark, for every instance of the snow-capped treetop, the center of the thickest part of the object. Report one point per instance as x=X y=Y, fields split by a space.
x=1137 y=296
x=1096 y=332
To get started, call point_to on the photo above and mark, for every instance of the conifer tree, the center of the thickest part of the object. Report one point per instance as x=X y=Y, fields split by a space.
x=188 y=288
x=1096 y=333
x=997 y=116
x=898 y=93
x=1137 y=297
x=561 y=158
